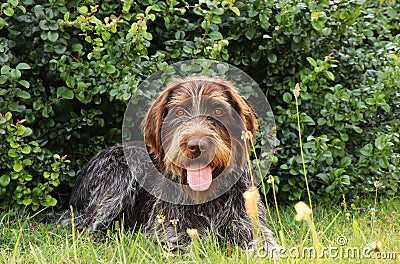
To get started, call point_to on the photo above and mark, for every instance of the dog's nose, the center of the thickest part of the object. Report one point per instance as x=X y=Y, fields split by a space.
x=197 y=145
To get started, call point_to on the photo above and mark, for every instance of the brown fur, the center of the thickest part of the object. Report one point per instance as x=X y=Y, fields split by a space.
x=181 y=90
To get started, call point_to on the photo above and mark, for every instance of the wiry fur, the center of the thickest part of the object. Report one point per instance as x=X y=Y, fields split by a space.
x=107 y=188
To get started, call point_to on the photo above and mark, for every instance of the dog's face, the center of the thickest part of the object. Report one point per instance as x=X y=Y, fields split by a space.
x=194 y=129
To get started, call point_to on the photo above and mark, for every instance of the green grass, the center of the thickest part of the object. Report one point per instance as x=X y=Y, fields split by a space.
x=23 y=240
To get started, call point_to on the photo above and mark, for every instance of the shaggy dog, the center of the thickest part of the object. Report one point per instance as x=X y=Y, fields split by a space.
x=194 y=139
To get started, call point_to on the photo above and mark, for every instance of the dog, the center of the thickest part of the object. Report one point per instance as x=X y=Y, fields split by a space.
x=193 y=141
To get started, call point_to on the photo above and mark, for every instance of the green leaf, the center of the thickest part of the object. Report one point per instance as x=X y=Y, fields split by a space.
x=59 y=49
x=66 y=16
x=357 y=129
x=8 y=11
x=65 y=93
x=312 y=61
x=21 y=130
x=370 y=101
x=49 y=201
x=367 y=150
x=323 y=177
x=26 y=150
x=69 y=94
x=46 y=174
x=383 y=162
x=83 y=10
x=272 y=58
x=317 y=25
x=179 y=35
x=215 y=35
x=3 y=80
x=345 y=161
x=44 y=25
x=13 y=106
x=27 y=132
x=287 y=97
x=381 y=142
x=329 y=75
x=27 y=162
x=22 y=8
x=250 y=33
x=17 y=167
x=15 y=74
x=235 y=10
x=148 y=9
x=24 y=83
x=5 y=180
x=386 y=108
x=2 y=23
x=5 y=69
x=14 y=144
x=105 y=35
x=292 y=181
x=110 y=69
x=23 y=95
x=14 y=3
x=23 y=66
x=345 y=179
x=12 y=153
x=27 y=201
x=321 y=121
x=52 y=36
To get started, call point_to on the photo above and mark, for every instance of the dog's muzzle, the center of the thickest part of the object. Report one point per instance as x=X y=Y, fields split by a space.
x=199 y=174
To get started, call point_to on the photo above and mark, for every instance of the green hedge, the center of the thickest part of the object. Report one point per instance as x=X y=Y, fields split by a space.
x=69 y=68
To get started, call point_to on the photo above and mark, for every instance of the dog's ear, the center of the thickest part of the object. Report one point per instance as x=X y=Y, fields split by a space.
x=153 y=121
x=242 y=107
x=152 y=124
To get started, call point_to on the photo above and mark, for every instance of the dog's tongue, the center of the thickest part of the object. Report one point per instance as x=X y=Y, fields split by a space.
x=199 y=179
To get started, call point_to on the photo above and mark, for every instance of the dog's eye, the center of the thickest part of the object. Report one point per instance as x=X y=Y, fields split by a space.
x=218 y=111
x=180 y=112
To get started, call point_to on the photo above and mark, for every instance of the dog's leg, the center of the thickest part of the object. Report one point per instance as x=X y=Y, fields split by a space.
x=104 y=189
x=253 y=235
x=108 y=201
x=166 y=224
x=236 y=223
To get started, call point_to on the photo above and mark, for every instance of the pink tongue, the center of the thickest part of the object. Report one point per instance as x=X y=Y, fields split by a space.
x=199 y=179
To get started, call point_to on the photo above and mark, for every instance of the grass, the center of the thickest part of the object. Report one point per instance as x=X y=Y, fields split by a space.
x=367 y=231
x=23 y=240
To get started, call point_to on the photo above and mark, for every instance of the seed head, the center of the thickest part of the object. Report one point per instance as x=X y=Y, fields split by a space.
x=174 y=222
x=250 y=202
x=193 y=233
x=376 y=184
x=271 y=179
x=160 y=219
x=297 y=90
x=246 y=135
x=167 y=254
x=376 y=246
x=303 y=211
